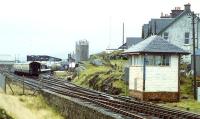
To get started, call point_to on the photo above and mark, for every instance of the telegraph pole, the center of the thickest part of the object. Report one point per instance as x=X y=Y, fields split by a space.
x=194 y=17
x=123 y=47
x=194 y=55
x=123 y=37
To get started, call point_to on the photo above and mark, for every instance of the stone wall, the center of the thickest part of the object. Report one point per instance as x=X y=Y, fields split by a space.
x=72 y=108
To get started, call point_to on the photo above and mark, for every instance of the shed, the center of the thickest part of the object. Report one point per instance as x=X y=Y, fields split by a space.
x=154 y=70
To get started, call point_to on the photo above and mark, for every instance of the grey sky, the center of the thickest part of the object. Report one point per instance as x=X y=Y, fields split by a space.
x=52 y=26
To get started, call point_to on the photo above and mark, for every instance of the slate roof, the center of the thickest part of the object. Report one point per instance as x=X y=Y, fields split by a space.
x=157 y=24
x=123 y=46
x=145 y=27
x=132 y=41
x=174 y=20
x=160 y=24
x=155 y=44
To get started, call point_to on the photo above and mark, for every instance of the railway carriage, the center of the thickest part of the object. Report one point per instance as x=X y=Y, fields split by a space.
x=30 y=68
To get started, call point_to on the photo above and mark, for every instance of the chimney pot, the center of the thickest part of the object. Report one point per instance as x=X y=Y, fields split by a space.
x=187 y=7
x=161 y=14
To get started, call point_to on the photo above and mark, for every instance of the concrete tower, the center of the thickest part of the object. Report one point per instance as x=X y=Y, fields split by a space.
x=82 y=50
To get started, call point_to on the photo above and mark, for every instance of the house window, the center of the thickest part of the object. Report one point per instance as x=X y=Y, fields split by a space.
x=166 y=35
x=137 y=60
x=165 y=60
x=187 y=37
x=158 y=60
x=150 y=60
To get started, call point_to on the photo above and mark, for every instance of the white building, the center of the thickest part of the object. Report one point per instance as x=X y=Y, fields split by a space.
x=6 y=61
x=176 y=28
x=158 y=77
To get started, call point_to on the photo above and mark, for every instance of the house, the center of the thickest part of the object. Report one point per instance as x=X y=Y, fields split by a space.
x=155 y=25
x=175 y=28
x=154 y=69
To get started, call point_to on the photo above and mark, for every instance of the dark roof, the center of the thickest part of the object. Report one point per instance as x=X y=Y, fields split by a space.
x=123 y=46
x=156 y=25
x=145 y=27
x=42 y=58
x=177 y=18
x=160 y=24
x=155 y=44
x=132 y=41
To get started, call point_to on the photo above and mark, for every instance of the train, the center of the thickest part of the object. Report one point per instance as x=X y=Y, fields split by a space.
x=55 y=67
x=30 y=68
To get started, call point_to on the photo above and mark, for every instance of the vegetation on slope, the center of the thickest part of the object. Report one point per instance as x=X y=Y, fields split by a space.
x=107 y=77
x=4 y=115
x=187 y=101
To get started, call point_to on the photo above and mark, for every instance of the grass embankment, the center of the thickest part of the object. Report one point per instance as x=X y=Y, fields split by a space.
x=107 y=78
x=187 y=101
x=4 y=115
x=61 y=74
x=26 y=106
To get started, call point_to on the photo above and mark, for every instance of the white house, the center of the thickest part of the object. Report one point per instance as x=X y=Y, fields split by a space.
x=154 y=69
x=180 y=32
x=176 y=28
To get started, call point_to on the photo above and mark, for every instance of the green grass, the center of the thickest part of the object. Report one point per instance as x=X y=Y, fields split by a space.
x=186 y=90
x=96 y=77
x=61 y=74
x=186 y=105
x=116 y=75
x=91 y=70
x=4 y=115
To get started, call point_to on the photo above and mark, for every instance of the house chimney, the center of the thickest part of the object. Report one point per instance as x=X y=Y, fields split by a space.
x=161 y=15
x=176 y=12
x=187 y=7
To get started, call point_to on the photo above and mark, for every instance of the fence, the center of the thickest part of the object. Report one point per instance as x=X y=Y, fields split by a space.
x=2 y=83
x=7 y=79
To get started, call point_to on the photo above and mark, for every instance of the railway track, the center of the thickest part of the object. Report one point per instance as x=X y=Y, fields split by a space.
x=125 y=106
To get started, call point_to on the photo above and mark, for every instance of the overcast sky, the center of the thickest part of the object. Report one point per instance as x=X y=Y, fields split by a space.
x=53 y=26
